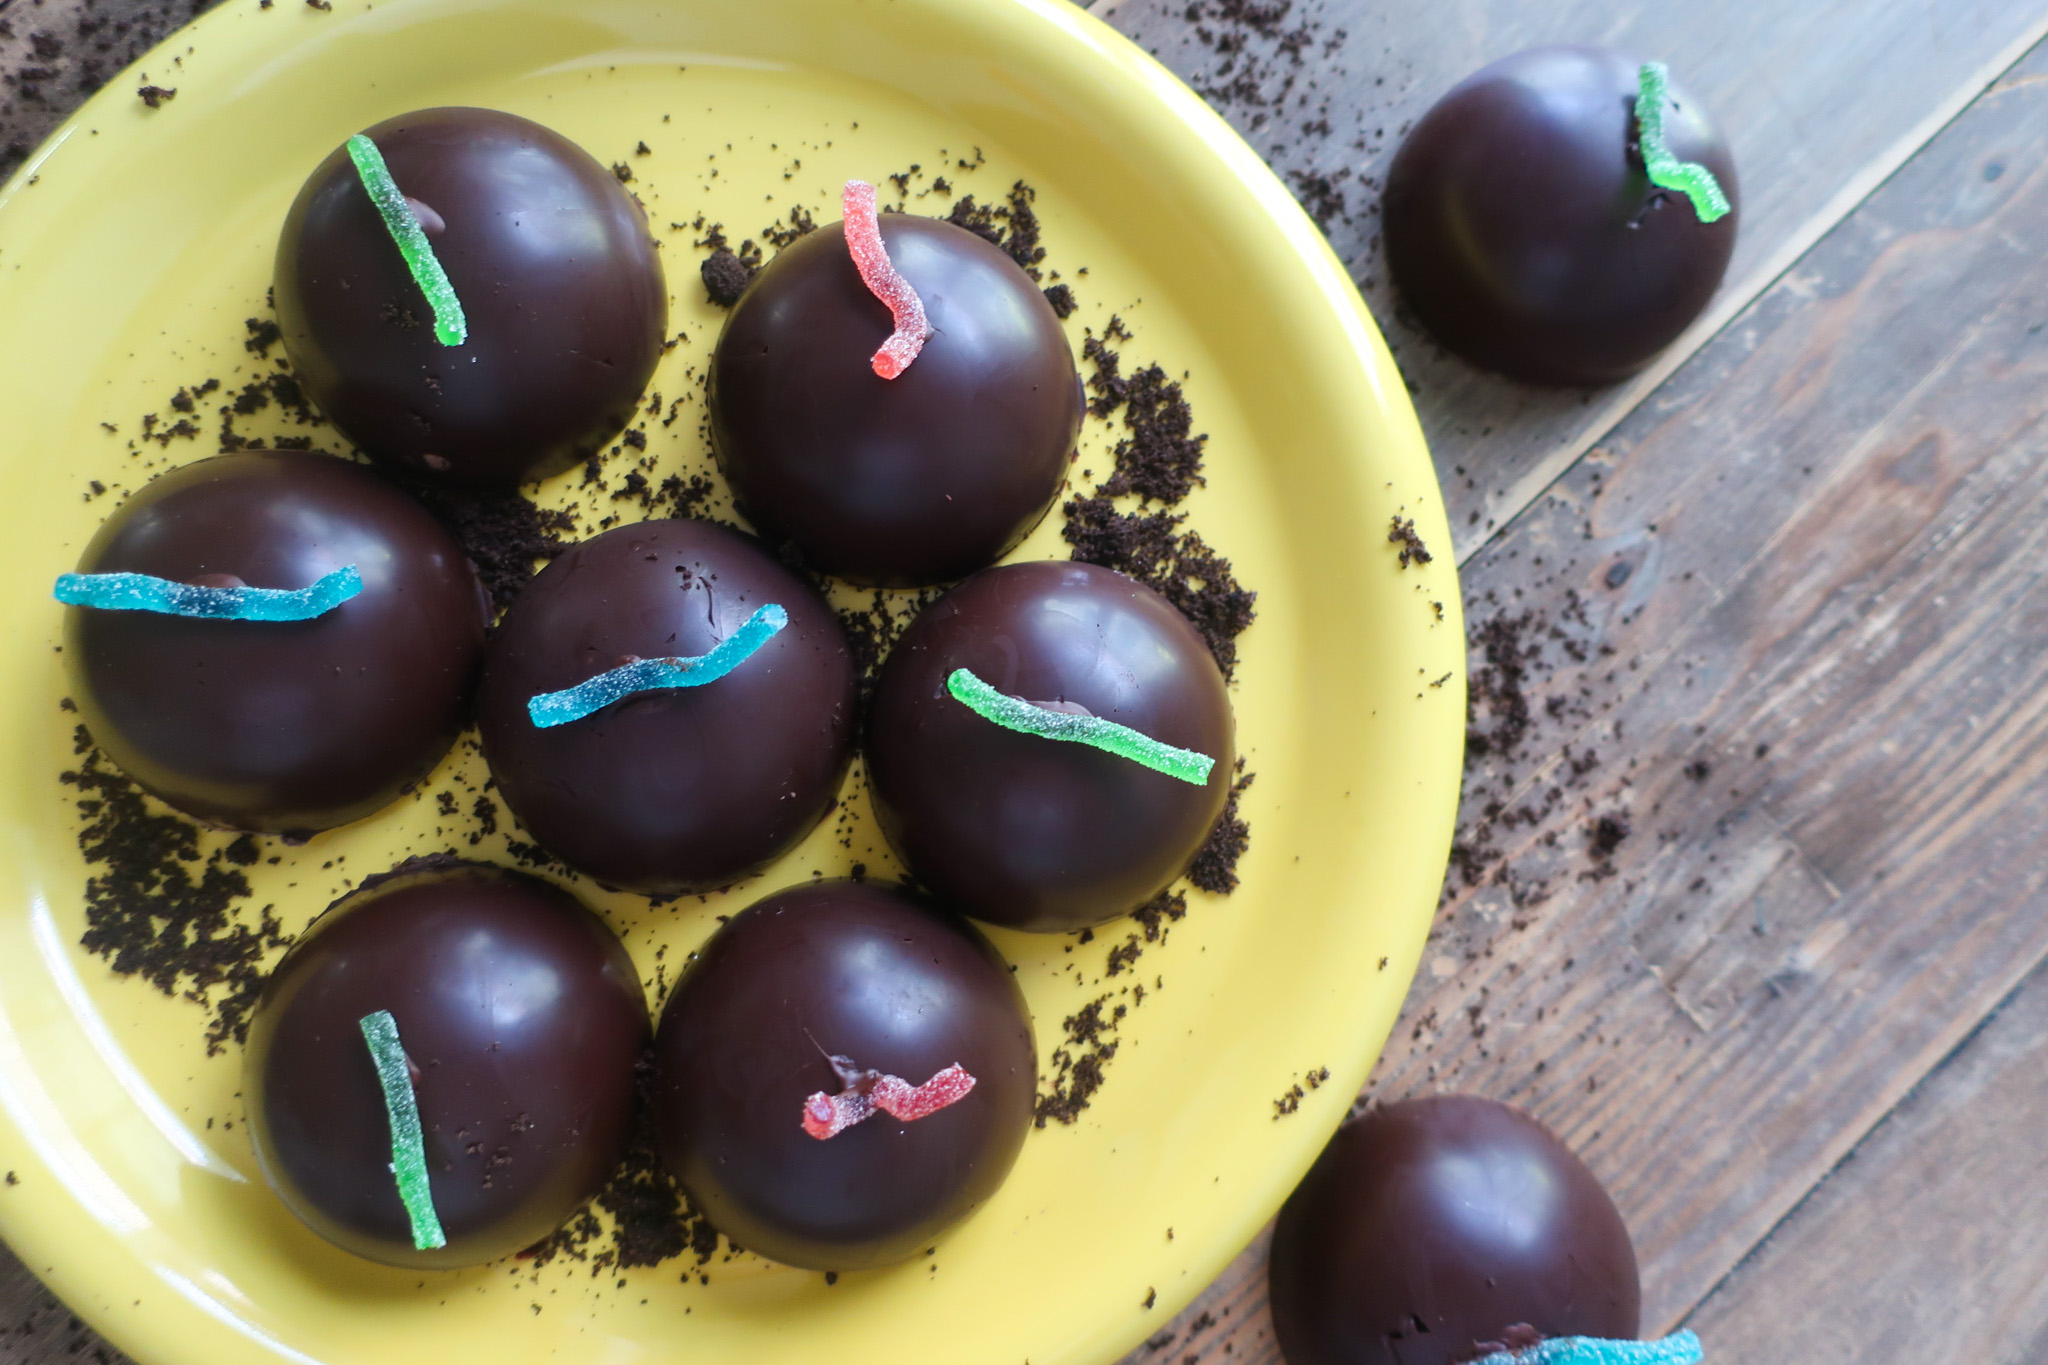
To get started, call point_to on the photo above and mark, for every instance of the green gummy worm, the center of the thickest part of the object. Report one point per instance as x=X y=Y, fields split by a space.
x=1014 y=713
x=451 y=328
x=408 y=1144
x=1666 y=171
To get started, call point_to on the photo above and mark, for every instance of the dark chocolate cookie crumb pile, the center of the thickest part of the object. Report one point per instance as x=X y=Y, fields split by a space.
x=649 y=1219
x=1078 y=1062
x=1155 y=918
x=873 y=626
x=1215 y=867
x=503 y=532
x=725 y=277
x=1413 y=551
x=158 y=901
x=1159 y=463
x=726 y=273
x=1290 y=1102
x=1603 y=839
x=1012 y=225
x=1514 y=654
x=1256 y=73
x=1161 y=460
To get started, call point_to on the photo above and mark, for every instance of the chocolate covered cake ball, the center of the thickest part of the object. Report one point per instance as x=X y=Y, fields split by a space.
x=489 y=315
x=1434 y=1231
x=973 y=785
x=845 y=1072
x=300 y=647
x=919 y=478
x=1526 y=231
x=695 y=714
x=441 y=1071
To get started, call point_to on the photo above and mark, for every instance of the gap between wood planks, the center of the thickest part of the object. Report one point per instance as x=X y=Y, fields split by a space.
x=1501 y=506
x=1838 y=639
x=1940 y=543
x=1952 y=1177
x=1737 y=295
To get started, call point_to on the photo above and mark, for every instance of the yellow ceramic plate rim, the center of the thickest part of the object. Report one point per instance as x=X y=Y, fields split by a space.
x=84 y=1234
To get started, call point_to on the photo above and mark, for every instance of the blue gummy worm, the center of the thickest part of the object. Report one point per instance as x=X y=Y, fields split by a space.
x=1680 y=1348
x=146 y=592
x=654 y=675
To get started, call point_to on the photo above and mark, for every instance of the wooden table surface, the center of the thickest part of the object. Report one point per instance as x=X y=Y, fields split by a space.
x=1775 y=605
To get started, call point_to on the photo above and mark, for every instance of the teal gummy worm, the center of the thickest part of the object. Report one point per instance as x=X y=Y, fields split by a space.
x=146 y=592
x=1014 y=713
x=1680 y=1348
x=1665 y=170
x=451 y=328
x=654 y=675
x=408 y=1144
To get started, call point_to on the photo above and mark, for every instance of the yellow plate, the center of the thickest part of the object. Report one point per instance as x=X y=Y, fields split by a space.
x=136 y=242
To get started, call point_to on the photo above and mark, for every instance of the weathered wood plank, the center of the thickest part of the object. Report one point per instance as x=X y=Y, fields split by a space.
x=1821 y=100
x=1931 y=1241
x=1787 y=625
x=54 y=53
x=1824 y=546
x=36 y=1328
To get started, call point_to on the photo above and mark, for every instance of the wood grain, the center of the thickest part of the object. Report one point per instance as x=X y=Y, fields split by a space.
x=1930 y=1242
x=54 y=53
x=1788 y=624
x=1820 y=100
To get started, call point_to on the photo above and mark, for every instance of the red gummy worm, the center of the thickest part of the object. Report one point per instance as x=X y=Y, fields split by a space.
x=871 y=258
x=830 y=1115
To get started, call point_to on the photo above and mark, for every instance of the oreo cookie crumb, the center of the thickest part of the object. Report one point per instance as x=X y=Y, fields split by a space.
x=501 y=531
x=1157 y=550
x=1160 y=461
x=650 y=1218
x=1012 y=225
x=726 y=277
x=264 y=333
x=1078 y=1062
x=1215 y=866
x=1413 y=551
x=160 y=905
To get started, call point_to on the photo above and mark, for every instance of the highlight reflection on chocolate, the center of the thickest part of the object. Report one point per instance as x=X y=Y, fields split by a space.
x=279 y=726
x=522 y=1018
x=558 y=278
x=875 y=976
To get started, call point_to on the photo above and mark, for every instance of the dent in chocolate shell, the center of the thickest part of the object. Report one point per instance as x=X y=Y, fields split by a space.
x=551 y=259
x=275 y=726
x=918 y=479
x=893 y=983
x=1432 y=1231
x=1522 y=229
x=1028 y=832
x=680 y=790
x=522 y=1019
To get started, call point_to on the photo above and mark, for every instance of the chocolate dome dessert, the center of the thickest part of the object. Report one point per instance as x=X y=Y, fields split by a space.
x=529 y=348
